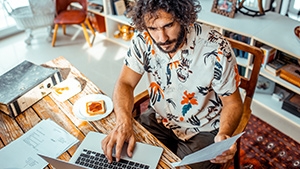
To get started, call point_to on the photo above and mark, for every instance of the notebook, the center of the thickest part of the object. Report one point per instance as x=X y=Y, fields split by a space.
x=89 y=154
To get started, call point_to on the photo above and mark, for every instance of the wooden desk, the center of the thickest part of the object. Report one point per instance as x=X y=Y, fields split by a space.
x=61 y=113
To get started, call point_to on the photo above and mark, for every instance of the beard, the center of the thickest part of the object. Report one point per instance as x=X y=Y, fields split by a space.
x=178 y=41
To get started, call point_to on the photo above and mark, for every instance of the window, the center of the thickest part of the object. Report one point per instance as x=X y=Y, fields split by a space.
x=294 y=10
x=8 y=25
x=253 y=4
x=5 y=19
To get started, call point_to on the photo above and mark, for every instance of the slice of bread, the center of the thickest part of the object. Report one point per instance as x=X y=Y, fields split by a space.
x=95 y=107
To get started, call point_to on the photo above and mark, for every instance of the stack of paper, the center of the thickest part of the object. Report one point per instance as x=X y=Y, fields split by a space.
x=46 y=137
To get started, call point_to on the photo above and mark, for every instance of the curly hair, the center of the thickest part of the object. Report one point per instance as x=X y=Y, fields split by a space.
x=184 y=11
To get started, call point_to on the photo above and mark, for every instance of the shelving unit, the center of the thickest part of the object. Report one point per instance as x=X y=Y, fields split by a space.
x=276 y=31
x=271 y=29
x=112 y=22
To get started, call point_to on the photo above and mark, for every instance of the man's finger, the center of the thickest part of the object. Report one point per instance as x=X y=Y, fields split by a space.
x=118 y=149
x=131 y=145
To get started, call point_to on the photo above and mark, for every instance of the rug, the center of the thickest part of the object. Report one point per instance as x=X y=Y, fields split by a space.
x=264 y=147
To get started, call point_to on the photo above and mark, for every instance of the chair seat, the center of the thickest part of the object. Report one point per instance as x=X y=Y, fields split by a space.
x=70 y=17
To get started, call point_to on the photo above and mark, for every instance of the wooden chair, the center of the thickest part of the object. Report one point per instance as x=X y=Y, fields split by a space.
x=248 y=85
x=68 y=16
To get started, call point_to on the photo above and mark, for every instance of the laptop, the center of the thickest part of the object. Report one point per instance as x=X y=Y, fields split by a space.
x=89 y=154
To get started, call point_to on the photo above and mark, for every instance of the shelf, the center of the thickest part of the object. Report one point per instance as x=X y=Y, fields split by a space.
x=240 y=24
x=119 y=18
x=265 y=29
x=280 y=81
x=242 y=61
x=276 y=119
x=280 y=35
x=77 y=5
x=96 y=12
x=269 y=110
x=268 y=102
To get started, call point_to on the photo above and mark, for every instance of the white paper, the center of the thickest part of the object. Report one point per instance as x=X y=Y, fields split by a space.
x=208 y=153
x=66 y=89
x=46 y=137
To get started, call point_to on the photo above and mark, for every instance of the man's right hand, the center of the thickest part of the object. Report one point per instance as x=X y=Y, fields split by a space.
x=123 y=104
x=123 y=132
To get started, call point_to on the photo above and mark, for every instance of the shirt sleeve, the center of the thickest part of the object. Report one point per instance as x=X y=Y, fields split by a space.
x=135 y=55
x=226 y=78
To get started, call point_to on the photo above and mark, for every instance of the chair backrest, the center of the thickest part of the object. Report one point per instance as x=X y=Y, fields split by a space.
x=248 y=84
x=62 y=5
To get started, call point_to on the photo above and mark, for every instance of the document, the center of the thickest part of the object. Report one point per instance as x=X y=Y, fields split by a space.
x=66 y=89
x=46 y=137
x=208 y=153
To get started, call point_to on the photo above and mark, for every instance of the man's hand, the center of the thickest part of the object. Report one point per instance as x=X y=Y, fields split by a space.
x=226 y=155
x=122 y=132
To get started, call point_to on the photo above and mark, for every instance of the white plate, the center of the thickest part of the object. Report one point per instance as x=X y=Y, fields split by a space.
x=79 y=108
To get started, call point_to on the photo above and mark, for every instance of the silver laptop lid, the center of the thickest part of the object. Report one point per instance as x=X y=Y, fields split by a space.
x=143 y=153
x=59 y=164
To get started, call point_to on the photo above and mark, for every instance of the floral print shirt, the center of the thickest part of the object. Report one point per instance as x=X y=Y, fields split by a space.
x=184 y=90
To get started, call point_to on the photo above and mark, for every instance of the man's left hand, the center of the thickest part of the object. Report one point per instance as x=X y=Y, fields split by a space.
x=226 y=155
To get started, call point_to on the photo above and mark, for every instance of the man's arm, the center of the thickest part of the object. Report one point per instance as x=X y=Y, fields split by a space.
x=231 y=113
x=123 y=98
x=229 y=120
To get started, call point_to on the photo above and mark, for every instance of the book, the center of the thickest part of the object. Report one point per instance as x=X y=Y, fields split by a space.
x=241 y=38
x=291 y=73
x=244 y=39
x=241 y=70
x=113 y=7
x=274 y=66
x=24 y=85
x=269 y=54
x=107 y=6
x=120 y=7
x=287 y=58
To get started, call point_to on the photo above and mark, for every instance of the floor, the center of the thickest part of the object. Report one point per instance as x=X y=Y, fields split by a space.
x=100 y=63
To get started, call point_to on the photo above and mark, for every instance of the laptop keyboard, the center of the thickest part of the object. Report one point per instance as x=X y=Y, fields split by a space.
x=96 y=160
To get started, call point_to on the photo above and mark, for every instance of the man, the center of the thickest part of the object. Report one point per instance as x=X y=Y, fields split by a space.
x=193 y=82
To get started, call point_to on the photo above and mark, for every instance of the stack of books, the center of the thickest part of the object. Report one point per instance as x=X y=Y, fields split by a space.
x=274 y=66
x=269 y=54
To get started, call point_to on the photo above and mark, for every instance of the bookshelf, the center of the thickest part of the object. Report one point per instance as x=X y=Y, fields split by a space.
x=271 y=29
x=274 y=30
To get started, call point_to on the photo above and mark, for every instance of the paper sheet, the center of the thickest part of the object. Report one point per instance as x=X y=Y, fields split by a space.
x=208 y=153
x=66 y=89
x=46 y=137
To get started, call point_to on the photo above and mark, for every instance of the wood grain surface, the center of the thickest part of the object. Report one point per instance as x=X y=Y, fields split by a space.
x=61 y=113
